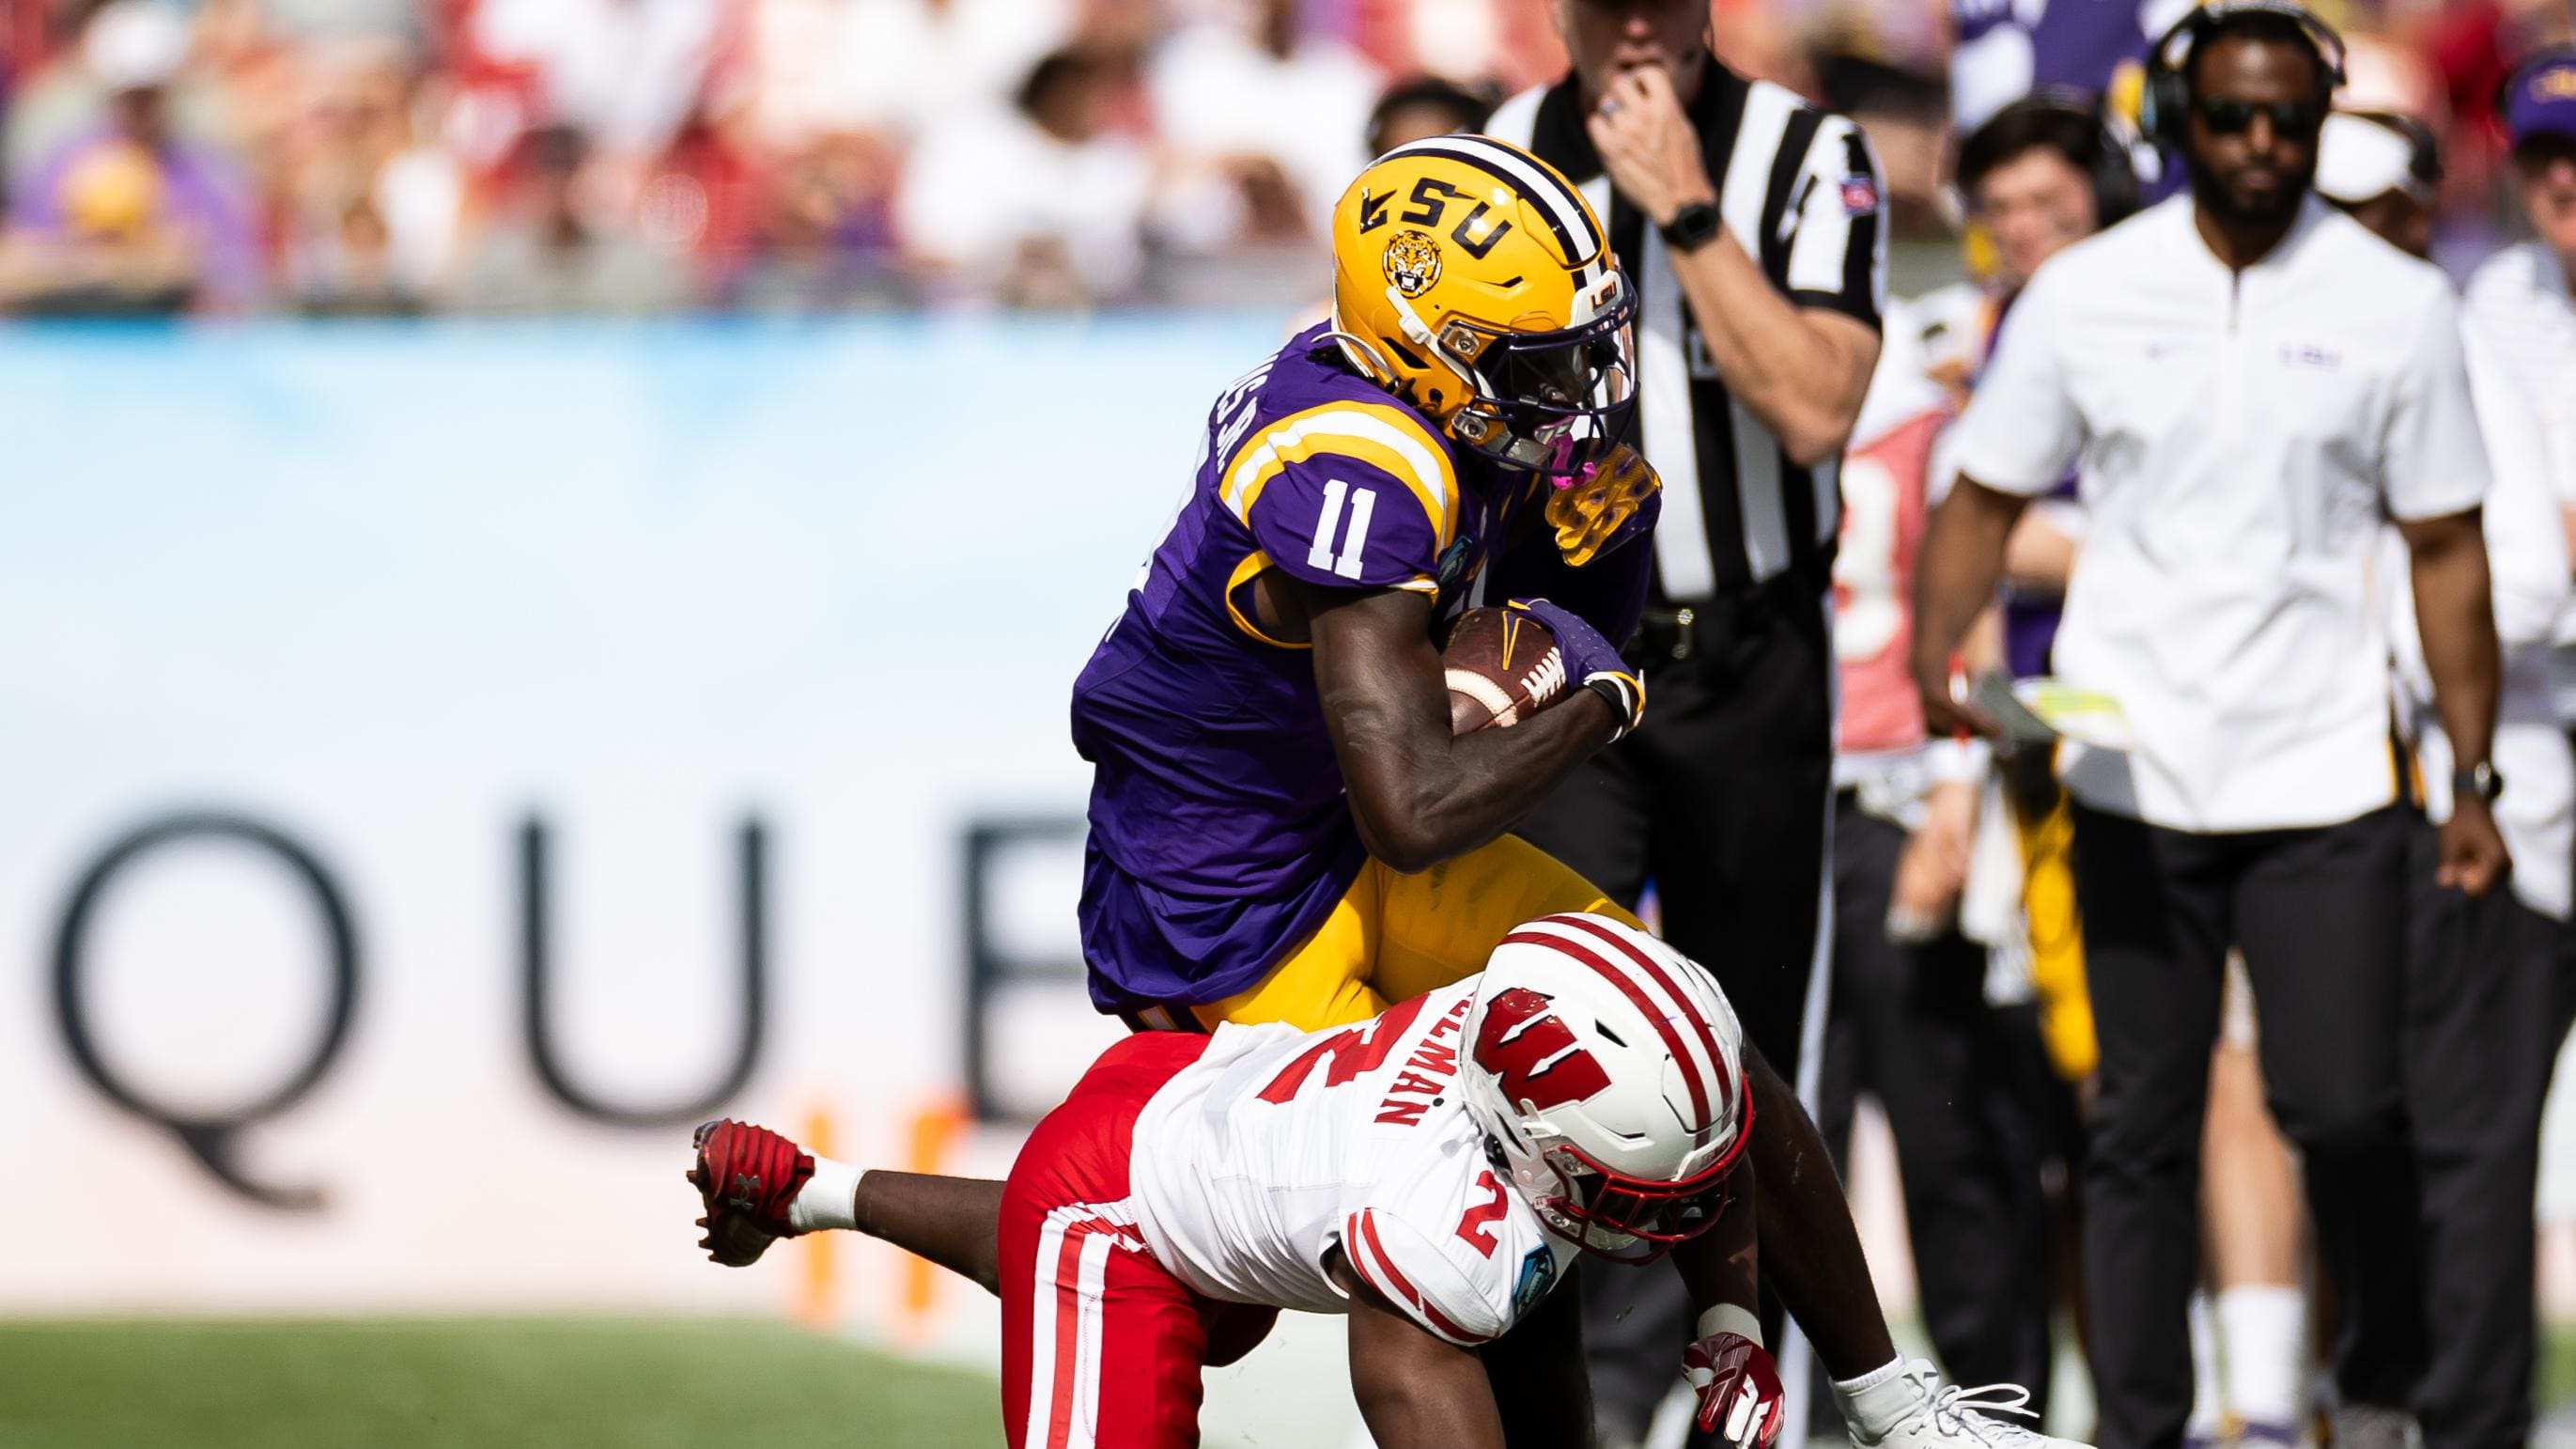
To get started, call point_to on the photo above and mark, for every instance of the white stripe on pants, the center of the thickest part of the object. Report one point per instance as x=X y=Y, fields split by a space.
x=1082 y=1235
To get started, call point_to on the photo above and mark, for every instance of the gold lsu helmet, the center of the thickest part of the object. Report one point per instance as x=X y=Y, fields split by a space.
x=1472 y=280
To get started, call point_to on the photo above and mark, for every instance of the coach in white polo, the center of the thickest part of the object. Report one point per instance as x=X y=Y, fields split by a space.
x=2249 y=384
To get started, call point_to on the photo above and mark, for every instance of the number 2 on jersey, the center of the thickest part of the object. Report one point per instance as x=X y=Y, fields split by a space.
x=1349 y=1053
x=1477 y=1226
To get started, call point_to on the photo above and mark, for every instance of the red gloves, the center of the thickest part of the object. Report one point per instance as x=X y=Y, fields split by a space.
x=747 y=1176
x=1739 y=1389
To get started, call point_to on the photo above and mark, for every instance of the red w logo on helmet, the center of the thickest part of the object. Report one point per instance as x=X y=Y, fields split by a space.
x=1533 y=1054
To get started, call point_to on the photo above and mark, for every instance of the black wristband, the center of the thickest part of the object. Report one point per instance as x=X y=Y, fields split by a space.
x=1622 y=700
x=2480 y=780
x=1692 y=227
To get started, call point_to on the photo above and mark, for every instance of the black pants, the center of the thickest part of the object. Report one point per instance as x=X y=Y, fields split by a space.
x=1720 y=800
x=2483 y=1025
x=1910 y=1026
x=2320 y=915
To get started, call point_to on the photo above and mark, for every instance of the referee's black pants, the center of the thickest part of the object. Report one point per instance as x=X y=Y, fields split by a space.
x=1720 y=800
x=2320 y=915
x=2484 y=1017
x=1911 y=1027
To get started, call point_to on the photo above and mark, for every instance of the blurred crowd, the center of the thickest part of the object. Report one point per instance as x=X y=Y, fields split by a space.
x=631 y=156
x=636 y=156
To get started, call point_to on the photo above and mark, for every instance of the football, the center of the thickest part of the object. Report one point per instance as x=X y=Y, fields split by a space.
x=1502 y=668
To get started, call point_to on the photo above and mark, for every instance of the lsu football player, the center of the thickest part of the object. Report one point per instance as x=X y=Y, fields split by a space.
x=1283 y=827
x=1432 y=1173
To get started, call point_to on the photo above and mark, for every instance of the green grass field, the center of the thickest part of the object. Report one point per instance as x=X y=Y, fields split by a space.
x=471 y=1384
x=513 y=1384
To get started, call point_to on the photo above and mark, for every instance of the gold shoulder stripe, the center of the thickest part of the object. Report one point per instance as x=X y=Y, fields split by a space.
x=1379 y=434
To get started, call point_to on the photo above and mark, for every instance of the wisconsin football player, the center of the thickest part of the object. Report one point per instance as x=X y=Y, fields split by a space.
x=1432 y=1173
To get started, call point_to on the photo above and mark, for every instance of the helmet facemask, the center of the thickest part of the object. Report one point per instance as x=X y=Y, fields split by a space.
x=1610 y=1214
x=1553 y=403
x=1626 y=1219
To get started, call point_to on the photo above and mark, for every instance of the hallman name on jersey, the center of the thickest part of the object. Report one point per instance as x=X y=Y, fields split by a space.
x=1427 y=1073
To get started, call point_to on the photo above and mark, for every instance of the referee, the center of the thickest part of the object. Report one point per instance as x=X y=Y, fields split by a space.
x=1752 y=228
x=2252 y=383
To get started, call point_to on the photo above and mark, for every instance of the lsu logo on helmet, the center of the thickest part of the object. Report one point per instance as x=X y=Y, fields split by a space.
x=1412 y=262
x=1473 y=281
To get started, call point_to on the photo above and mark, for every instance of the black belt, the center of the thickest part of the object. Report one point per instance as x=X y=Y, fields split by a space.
x=1164 y=1016
x=1677 y=629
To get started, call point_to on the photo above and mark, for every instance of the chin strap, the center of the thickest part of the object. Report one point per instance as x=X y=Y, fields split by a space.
x=1419 y=333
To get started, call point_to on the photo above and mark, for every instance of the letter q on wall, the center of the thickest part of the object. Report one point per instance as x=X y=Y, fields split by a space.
x=213 y=1137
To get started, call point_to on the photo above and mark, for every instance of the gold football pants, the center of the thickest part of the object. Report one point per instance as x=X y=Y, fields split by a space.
x=1393 y=936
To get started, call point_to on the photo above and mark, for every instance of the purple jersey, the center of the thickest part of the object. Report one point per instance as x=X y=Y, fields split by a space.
x=1219 y=833
x=2083 y=45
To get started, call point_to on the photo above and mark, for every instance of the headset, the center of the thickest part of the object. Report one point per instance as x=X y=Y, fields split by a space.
x=2163 y=110
x=2103 y=155
x=2423 y=151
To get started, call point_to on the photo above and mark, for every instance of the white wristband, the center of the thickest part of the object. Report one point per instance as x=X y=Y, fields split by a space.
x=1730 y=1318
x=829 y=1199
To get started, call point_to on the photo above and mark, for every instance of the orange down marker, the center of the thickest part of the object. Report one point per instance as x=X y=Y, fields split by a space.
x=931 y=1135
x=818 y=1291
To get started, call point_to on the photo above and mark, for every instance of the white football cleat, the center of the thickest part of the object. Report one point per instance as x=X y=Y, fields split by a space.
x=1929 y=1414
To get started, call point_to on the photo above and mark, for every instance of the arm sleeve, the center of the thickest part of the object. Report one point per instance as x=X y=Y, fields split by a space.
x=1435 y=1288
x=2431 y=460
x=1838 y=253
x=1344 y=522
x=2526 y=543
x=2021 y=430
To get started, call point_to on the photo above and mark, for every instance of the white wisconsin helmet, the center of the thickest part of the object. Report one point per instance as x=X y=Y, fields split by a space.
x=1607 y=1072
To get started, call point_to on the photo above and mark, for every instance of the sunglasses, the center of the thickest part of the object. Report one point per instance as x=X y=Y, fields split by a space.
x=2226 y=117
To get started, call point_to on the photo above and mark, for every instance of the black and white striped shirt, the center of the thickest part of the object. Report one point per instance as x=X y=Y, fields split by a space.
x=1800 y=190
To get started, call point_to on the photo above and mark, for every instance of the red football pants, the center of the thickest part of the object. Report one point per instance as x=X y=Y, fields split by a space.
x=1100 y=1346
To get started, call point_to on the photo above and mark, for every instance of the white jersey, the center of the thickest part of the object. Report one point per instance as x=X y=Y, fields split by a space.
x=1278 y=1146
x=2524 y=304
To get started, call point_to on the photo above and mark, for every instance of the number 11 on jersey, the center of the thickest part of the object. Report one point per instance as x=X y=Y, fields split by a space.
x=1363 y=503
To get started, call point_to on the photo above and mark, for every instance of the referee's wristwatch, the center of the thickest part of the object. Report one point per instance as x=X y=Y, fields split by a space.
x=2479 y=779
x=1692 y=227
